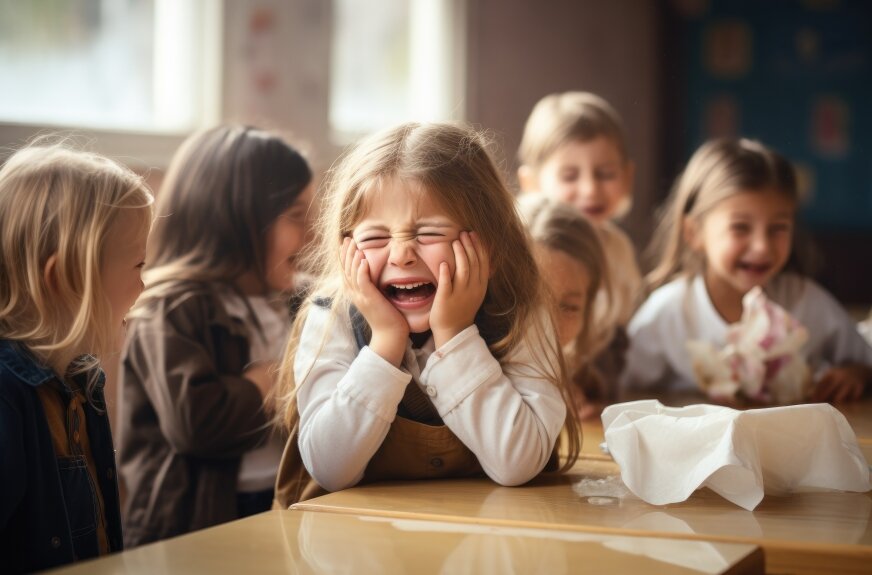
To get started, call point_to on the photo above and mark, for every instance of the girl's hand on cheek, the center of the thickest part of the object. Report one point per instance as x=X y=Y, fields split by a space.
x=390 y=330
x=458 y=298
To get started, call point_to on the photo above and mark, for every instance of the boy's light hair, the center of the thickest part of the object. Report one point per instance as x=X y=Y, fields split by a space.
x=55 y=201
x=718 y=170
x=452 y=164
x=565 y=117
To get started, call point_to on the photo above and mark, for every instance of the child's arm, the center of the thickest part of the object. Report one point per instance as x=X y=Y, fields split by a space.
x=843 y=383
x=202 y=411
x=841 y=345
x=508 y=415
x=347 y=400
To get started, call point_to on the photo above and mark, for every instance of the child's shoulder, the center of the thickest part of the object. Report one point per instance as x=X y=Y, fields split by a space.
x=19 y=370
x=664 y=303
x=671 y=294
x=794 y=291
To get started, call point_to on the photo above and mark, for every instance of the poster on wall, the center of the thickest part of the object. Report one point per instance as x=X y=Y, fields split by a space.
x=796 y=75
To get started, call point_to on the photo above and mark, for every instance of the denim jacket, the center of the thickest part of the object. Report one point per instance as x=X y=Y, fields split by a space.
x=48 y=507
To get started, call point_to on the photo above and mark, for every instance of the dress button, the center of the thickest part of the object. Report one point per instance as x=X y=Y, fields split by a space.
x=55 y=542
x=436 y=462
x=431 y=391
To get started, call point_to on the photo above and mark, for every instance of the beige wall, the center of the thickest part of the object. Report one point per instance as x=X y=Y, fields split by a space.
x=520 y=51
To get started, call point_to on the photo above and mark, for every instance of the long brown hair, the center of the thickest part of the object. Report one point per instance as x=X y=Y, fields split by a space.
x=717 y=170
x=452 y=163
x=224 y=188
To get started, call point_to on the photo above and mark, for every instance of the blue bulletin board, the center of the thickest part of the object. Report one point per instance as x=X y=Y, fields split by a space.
x=797 y=75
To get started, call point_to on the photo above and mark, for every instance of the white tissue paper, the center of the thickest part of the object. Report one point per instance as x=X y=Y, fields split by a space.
x=761 y=360
x=666 y=453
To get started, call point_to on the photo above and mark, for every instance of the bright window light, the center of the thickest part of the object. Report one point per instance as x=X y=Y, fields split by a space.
x=121 y=65
x=395 y=61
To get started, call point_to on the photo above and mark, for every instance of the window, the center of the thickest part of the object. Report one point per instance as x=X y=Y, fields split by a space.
x=146 y=66
x=395 y=61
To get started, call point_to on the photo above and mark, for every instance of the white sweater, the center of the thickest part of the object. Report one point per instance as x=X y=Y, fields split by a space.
x=682 y=310
x=348 y=397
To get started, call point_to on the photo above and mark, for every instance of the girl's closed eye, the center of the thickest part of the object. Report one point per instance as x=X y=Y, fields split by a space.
x=430 y=237
x=371 y=242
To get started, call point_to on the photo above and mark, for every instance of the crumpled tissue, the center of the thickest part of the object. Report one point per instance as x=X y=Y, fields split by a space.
x=666 y=453
x=761 y=360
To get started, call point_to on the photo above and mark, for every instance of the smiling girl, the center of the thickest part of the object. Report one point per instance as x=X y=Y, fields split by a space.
x=196 y=449
x=426 y=349
x=729 y=227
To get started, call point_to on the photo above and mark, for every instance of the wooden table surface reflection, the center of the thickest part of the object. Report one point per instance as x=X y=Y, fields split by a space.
x=304 y=542
x=801 y=533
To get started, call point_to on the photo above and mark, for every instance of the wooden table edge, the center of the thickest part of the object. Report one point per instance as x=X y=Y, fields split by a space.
x=859 y=551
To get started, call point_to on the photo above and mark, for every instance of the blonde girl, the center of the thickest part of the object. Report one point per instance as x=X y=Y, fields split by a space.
x=73 y=231
x=213 y=320
x=574 y=150
x=570 y=258
x=425 y=349
x=728 y=227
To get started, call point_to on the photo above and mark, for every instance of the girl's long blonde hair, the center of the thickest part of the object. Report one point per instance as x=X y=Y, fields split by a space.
x=58 y=202
x=718 y=170
x=451 y=163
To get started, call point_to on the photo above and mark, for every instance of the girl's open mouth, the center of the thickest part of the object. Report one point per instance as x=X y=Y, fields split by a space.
x=409 y=294
x=755 y=268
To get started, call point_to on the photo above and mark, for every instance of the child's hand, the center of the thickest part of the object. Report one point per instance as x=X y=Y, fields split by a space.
x=844 y=383
x=458 y=298
x=390 y=330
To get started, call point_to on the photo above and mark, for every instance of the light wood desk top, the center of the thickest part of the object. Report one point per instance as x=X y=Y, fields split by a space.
x=812 y=532
x=305 y=542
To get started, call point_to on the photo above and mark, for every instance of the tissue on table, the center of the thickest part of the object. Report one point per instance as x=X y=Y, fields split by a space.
x=761 y=360
x=666 y=453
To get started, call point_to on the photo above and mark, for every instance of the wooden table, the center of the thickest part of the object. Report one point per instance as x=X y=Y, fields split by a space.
x=305 y=542
x=803 y=533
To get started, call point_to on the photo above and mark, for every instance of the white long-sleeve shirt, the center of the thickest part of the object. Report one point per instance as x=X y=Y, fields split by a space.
x=682 y=310
x=347 y=397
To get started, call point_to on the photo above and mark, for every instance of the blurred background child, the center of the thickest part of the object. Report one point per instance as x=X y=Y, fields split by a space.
x=74 y=227
x=574 y=150
x=728 y=227
x=571 y=260
x=427 y=351
x=195 y=441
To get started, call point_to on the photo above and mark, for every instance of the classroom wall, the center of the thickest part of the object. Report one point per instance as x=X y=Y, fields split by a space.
x=520 y=51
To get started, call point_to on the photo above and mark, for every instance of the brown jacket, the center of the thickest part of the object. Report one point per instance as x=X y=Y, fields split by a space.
x=187 y=416
x=411 y=450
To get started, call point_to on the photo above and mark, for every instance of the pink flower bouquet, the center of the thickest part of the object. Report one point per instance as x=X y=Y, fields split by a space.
x=761 y=361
